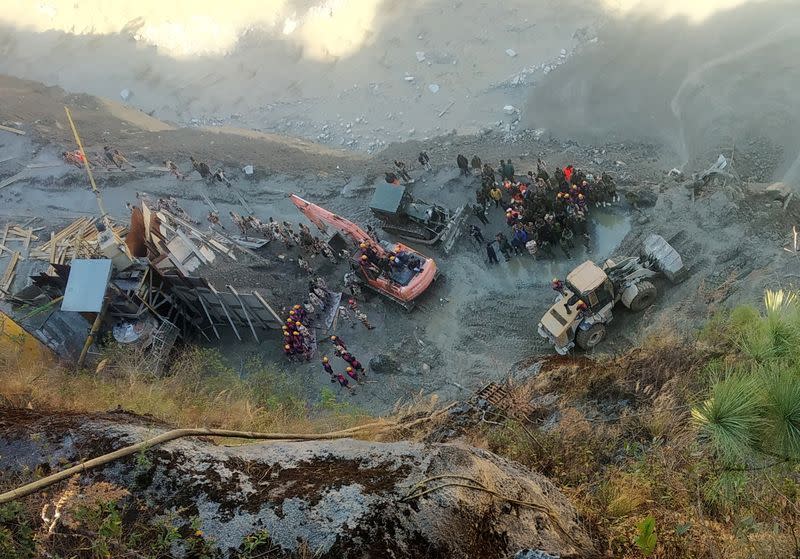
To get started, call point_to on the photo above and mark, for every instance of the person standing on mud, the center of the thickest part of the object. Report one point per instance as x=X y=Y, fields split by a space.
x=475 y=233
x=401 y=170
x=328 y=369
x=201 y=167
x=343 y=382
x=491 y=253
x=497 y=195
x=505 y=246
x=116 y=157
x=476 y=164
x=219 y=176
x=463 y=164
x=424 y=160
x=213 y=219
x=480 y=212
x=173 y=168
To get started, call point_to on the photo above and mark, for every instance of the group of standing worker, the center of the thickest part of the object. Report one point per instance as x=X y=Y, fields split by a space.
x=354 y=369
x=543 y=211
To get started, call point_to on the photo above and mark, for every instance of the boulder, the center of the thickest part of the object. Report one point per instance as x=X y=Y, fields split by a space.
x=384 y=363
x=341 y=498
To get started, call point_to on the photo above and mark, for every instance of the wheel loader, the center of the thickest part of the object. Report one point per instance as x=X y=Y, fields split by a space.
x=585 y=304
x=415 y=220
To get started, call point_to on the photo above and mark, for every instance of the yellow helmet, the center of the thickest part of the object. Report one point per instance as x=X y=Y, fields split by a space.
x=325 y=359
x=349 y=369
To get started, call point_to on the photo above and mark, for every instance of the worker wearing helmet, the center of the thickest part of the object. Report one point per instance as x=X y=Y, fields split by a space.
x=328 y=369
x=343 y=382
x=351 y=373
x=339 y=342
x=557 y=285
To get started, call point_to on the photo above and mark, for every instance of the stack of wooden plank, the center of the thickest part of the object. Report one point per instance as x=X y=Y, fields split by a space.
x=22 y=238
x=79 y=239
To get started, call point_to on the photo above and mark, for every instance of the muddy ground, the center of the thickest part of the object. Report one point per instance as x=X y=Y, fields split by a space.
x=478 y=323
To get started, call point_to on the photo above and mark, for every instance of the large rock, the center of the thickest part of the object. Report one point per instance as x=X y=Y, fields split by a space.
x=343 y=498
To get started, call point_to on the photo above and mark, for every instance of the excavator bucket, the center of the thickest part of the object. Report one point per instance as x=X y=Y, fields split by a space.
x=454 y=229
x=666 y=259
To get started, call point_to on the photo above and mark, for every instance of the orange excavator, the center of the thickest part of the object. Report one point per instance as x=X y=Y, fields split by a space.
x=411 y=274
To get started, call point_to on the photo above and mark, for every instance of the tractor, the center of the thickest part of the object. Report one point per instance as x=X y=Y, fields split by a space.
x=584 y=306
x=415 y=220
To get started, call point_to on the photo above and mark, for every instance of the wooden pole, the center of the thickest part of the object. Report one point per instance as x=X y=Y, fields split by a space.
x=92 y=334
x=87 y=465
x=103 y=212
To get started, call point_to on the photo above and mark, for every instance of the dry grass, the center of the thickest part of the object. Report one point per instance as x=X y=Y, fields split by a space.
x=619 y=463
x=200 y=389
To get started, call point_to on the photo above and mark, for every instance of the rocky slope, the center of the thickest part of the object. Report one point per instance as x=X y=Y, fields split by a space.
x=340 y=498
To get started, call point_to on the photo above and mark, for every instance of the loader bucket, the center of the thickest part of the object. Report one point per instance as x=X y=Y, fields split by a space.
x=666 y=258
x=453 y=231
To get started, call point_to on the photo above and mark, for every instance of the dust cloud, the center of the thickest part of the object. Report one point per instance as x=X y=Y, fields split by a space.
x=695 y=84
x=185 y=28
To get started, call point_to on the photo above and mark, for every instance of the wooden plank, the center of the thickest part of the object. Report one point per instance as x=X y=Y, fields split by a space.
x=51 y=270
x=225 y=310
x=208 y=315
x=42 y=165
x=257 y=313
x=8 y=275
x=209 y=202
x=16 y=131
x=191 y=245
x=26 y=248
x=12 y=180
x=268 y=307
x=5 y=236
x=244 y=310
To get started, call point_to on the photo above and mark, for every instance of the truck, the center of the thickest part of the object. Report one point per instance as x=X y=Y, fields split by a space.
x=585 y=304
x=416 y=220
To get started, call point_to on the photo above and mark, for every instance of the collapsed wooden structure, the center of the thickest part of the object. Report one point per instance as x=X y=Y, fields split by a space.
x=156 y=280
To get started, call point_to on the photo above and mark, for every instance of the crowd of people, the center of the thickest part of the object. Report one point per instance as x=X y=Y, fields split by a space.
x=543 y=211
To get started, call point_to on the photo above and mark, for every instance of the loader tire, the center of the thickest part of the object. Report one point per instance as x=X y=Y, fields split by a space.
x=645 y=297
x=588 y=339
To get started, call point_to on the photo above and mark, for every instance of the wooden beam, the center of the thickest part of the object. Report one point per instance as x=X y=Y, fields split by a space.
x=185 y=238
x=244 y=310
x=208 y=315
x=16 y=131
x=224 y=309
x=52 y=270
x=12 y=180
x=8 y=275
x=5 y=236
x=267 y=306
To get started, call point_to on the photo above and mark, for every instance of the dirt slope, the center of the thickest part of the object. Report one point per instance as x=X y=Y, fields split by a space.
x=39 y=110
